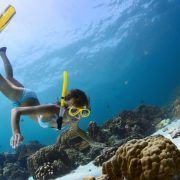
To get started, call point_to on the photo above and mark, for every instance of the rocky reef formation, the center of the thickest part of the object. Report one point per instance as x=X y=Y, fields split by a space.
x=49 y=162
x=149 y=158
x=128 y=125
x=14 y=166
x=53 y=161
x=70 y=150
x=14 y=171
x=175 y=108
x=138 y=123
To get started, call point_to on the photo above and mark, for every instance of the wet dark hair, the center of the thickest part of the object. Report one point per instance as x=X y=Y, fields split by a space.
x=77 y=97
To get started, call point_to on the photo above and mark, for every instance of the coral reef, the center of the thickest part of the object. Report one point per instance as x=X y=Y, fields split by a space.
x=49 y=162
x=104 y=177
x=106 y=154
x=128 y=125
x=162 y=124
x=89 y=178
x=116 y=132
x=148 y=158
x=14 y=166
x=122 y=158
x=69 y=138
x=93 y=130
x=24 y=151
x=175 y=108
x=14 y=172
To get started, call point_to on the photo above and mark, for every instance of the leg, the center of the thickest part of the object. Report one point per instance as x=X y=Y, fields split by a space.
x=9 y=89
x=8 y=67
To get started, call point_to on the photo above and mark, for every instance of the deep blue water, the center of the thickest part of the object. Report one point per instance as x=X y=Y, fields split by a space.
x=121 y=52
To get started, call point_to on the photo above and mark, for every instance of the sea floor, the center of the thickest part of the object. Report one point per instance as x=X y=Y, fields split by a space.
x=91 y=170
x=165 y=132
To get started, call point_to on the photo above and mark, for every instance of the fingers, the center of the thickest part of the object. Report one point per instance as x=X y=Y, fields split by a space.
x=12 y=141
x=16 y=138
x=15 y=141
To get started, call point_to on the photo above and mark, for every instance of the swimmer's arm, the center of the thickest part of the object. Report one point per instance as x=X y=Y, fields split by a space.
x=84 y=136
x=31 y=111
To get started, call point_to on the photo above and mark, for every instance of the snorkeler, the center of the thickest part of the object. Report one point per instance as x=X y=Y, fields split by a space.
x=26 y=102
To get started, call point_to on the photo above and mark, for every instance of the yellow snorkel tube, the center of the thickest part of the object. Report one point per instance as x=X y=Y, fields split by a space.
x=64 y=88
x=6 y=16
x=62 y=102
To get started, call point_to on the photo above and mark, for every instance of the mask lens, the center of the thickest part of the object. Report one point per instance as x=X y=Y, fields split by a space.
x=73 y=111
x=85 y=112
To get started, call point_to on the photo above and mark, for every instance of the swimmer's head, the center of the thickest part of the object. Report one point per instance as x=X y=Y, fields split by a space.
x=76 y=98
x=77 y=104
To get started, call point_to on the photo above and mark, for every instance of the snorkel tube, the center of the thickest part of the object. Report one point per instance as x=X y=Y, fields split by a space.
x=64 y=88
x=62 y=102
x=6 y=16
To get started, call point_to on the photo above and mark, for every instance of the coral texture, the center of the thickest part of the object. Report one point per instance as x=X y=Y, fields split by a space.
x=105 y=155
x=89 y=178
x=175 y=108
x=70 y=138
x=149 y=158
x=49 y=162
x=14 y=172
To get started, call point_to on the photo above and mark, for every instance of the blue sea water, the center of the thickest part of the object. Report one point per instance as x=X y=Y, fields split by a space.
x=120 y=52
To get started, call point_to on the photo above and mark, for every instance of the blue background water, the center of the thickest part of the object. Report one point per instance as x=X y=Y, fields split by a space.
x=121 y=52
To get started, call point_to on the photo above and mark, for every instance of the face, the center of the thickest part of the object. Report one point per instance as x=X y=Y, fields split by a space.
x=76 y=113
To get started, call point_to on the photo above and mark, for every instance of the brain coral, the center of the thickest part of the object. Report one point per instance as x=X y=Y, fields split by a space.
x=152 y=158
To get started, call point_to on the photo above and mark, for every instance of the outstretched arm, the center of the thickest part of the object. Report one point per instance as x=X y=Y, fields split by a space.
x=84 y=136
x=31 y=111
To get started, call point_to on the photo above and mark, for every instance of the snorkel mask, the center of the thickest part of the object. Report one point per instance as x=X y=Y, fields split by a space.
x=74 y=111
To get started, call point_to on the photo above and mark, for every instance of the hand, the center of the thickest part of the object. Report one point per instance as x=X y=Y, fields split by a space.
x=16 y=140
x=98 y=145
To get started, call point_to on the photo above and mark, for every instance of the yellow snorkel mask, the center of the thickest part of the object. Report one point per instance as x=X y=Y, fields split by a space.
x=83 y=112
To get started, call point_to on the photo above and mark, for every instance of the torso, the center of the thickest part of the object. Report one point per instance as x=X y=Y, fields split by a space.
x=51 y=119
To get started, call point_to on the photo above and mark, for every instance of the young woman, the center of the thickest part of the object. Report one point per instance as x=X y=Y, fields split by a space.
x=47 y=116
